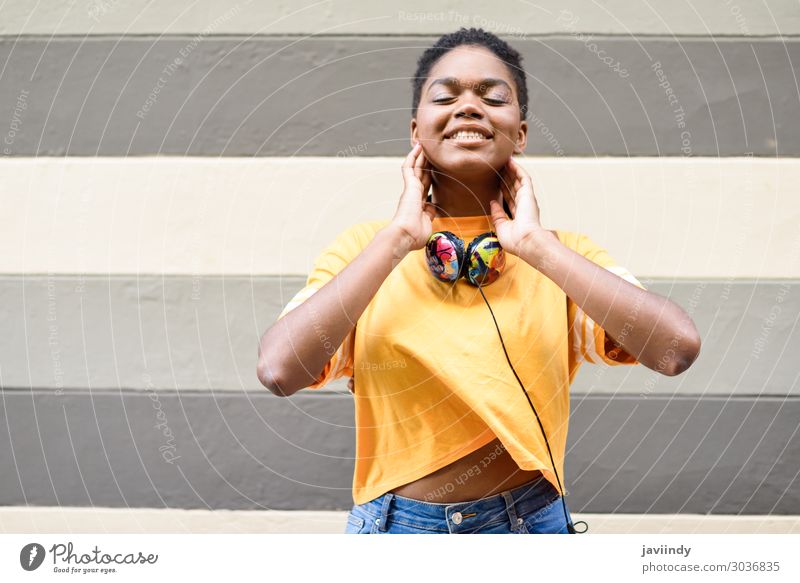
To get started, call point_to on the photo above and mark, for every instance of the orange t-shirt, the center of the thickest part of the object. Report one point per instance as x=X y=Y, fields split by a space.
x=432 y=383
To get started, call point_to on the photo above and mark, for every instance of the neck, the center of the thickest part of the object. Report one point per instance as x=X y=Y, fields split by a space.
x=465 y=197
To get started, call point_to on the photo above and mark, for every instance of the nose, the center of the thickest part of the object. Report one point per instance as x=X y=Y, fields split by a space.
x=469 y=108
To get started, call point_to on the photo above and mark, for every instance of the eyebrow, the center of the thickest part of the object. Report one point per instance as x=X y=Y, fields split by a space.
x=454 y=81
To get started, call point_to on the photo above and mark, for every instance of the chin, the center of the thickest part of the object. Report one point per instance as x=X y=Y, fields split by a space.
x=467 y=164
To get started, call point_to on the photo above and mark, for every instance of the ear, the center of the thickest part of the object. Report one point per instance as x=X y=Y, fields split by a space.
x=413 y=132
x=522 y=138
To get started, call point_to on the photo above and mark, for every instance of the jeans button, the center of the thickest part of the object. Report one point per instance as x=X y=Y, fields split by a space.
x=456 y=517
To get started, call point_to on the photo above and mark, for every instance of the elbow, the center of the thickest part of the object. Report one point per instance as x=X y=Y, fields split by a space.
x=268 y=377
x=679 y=362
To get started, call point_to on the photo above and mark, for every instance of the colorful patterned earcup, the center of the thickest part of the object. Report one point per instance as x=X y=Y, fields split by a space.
x=485 y=260
x=445 y=255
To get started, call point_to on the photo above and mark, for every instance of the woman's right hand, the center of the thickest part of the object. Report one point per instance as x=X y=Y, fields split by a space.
x=414 y=214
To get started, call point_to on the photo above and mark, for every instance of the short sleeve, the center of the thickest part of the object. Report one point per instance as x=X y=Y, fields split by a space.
x=327 y=265
x=588 y=341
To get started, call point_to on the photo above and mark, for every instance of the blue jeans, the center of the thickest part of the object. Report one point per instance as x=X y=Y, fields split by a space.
x=533 y=508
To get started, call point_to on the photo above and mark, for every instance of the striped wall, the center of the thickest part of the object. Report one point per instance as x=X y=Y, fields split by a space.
x=169 y=171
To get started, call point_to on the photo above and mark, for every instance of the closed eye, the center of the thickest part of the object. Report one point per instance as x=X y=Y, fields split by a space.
x=486 y=99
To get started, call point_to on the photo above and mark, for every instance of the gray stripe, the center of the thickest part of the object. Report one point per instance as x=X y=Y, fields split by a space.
x=202 y=333
x=351 y=96
x=252 y=450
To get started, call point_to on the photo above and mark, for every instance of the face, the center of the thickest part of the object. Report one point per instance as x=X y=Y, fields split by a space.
x=469 y=89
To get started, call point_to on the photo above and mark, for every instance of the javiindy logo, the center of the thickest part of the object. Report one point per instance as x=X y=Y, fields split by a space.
x=31 y=556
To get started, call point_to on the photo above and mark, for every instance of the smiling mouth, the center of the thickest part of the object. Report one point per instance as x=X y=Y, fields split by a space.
x=467 y=137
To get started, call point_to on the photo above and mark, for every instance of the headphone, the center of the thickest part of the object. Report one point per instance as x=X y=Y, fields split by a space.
x=480 y=264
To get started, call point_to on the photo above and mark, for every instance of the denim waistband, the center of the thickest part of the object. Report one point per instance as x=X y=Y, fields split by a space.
x=461 y=516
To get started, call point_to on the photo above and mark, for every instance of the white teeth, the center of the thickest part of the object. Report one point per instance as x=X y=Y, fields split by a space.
x=467 y=136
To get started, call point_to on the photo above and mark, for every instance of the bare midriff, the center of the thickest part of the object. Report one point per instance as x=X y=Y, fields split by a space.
x=486 y=471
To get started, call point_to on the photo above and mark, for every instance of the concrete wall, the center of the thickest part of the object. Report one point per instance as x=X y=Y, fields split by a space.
x=167 y=169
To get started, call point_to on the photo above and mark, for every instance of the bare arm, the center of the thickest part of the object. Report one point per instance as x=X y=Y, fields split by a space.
x=292 y=352
x=649 y=327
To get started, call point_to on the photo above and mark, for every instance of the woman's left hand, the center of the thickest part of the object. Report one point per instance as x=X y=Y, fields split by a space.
x=517 y=188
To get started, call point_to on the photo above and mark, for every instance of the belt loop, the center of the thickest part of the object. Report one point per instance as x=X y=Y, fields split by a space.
x=512 y=512
x=387 y=501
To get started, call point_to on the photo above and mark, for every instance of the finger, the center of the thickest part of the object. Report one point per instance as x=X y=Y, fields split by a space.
x=505 y=193
x=351 y=385
x=408 y=163
x=513 y=177
x=419 y=164
x=498 y=215
x=429 y=210
x=523 y=175
x=412 y=156
x=505 y=180
x=407 y=168
x=512 y=206
x=509 y=192
x=427 y=176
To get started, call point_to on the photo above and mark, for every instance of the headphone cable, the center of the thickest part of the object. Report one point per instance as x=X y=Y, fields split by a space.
x=570 y=526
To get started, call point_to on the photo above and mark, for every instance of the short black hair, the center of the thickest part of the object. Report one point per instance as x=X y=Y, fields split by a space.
x=478 y=37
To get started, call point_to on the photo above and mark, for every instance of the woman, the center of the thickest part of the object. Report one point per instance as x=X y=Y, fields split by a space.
x=445 y=439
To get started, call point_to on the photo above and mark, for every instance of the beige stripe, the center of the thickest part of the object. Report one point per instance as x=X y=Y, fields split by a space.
x=73 y=520
x=660 y=217
x=706 y=17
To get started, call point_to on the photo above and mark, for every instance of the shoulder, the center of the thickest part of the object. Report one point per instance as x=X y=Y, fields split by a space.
x=578 y=242
x=353 y=239
x=368 y=229
x=582 y=244
x=359 y=235
x=568 y=238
